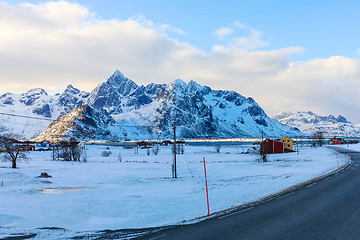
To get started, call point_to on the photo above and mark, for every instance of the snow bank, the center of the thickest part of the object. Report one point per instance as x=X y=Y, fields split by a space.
x=127 y=190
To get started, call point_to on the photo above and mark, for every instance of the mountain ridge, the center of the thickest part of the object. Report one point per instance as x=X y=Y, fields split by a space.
x=310 y=123
x=198 y=111
x=39 y=107
x=83 y=122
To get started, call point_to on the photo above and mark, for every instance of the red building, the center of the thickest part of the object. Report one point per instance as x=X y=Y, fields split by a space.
x=270 y=146
x=336 y=141
x=28 y=148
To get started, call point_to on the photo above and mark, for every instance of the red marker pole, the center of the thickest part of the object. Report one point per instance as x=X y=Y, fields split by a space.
x=207 y=194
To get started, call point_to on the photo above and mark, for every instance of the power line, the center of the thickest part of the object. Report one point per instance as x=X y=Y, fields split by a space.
x=22 y=116
x=20 y=123
x=50 y=119
x=135 y=126
x=153 y=127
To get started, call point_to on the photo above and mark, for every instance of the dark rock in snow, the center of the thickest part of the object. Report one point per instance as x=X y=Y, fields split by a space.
x=43 y=111
x=30 y=97
x=44 y=175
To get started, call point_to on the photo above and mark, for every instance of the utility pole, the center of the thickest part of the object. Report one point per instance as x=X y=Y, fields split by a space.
x=297 y=145
x=174 y=115
x=262 y=143
x=174 y=164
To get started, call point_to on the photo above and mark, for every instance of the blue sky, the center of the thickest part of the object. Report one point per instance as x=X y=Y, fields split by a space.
x=287 y=55
x=323 y=28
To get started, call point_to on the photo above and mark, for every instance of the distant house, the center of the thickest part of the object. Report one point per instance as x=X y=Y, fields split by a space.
x=353 y=141
x=166 y=142
x=289 y=143
x=145 y=144
x=271 y=146
x=336 y=141
x=28 y=147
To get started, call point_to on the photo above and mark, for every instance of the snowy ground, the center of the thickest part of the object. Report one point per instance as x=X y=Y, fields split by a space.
x=138 y=191
x=354 y=147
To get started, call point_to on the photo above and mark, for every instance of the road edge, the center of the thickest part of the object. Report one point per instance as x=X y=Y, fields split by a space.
x=269 y=197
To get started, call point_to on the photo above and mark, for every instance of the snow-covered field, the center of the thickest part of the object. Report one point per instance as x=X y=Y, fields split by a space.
x=354 y=147
x=127 y=190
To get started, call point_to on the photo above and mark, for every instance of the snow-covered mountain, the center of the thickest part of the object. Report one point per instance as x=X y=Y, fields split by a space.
x=198 y=111
x=83 y=122
x=120 y=94
x=311 y=123
x=71 y=98
x=39 y=106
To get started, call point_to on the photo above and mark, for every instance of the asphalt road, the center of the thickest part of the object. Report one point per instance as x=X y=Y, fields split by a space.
x=326 y=209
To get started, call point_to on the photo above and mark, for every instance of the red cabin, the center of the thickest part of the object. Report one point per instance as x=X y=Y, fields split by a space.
x=336 y=141
x=271 y=146
x=143 y=144
x=28 y=148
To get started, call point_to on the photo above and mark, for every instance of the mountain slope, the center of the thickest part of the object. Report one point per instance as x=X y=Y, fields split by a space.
x=309 y=122
x=39 y=106
x=83 y=122
x=200 y=112
x=120 y=94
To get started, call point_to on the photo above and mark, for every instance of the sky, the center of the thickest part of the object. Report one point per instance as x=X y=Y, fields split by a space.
x=287 y=55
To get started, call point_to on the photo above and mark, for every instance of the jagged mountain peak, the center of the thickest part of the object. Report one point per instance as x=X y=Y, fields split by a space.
x=179 y=83
x=70 y=86
x=117 y=74
x=310 y=123
x=283 y=114
x=120 y=94
x=201 y=112
x=121 y=83
x=72 y=98
x=179 y=87
x=35 y=91
x=30 y=97
x=311 y=115
x=197 y=110
x=342 y=119
x=197 y=88
x=7 y=99
x=71 y=89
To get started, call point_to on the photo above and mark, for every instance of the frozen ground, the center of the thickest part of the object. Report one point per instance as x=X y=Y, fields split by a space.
x=138 y=191
x=355 y=147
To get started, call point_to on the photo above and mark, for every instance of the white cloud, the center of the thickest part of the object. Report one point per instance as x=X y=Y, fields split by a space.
x=53 y=44
x=221 y=33
x=325 y=86
x=49 y=14
x=239 y=24
x=144 y=21
x=253 y=41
